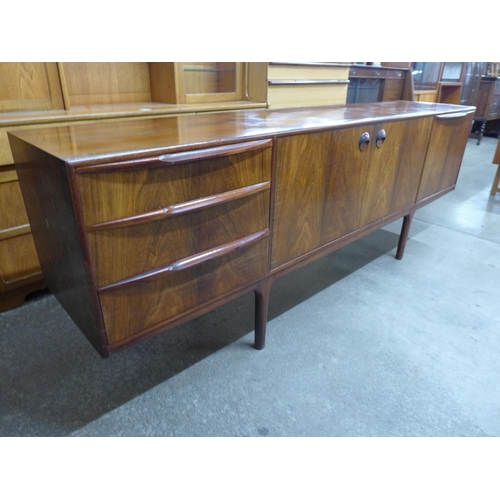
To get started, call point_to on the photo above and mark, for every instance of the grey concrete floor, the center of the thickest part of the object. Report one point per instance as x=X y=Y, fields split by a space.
x=358 y=344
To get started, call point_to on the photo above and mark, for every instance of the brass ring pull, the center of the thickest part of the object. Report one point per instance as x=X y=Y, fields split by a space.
x=364 y=140
x=381 y=137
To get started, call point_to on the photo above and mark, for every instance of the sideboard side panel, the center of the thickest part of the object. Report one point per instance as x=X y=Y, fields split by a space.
x=50 y=207
x=444 y=155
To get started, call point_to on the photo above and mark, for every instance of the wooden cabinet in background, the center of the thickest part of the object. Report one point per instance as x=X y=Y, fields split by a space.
x=378 y=83
x=450 y=85
x=472 y=79
x=487 y=103
x=426 y=77
x=20 y=271
x=143 y=225
x=43 y=94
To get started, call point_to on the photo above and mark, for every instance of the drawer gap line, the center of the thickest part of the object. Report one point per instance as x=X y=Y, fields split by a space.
x=184 y=207
x=187 y=262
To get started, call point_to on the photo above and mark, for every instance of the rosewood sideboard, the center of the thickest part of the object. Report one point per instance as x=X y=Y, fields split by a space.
x=143 y=225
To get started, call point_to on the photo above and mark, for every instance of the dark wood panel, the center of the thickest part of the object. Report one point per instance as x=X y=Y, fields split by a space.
x=299 y=195
x=124 y=193
x=444 y=154
x=391 y=179
x=131 y=310
x=98 y=143
x=182 y=208
x=50 y=206
x=327 y=187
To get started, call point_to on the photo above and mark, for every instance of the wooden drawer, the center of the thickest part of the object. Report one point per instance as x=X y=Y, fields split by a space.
x=169 y=234
x=154 y=186
x=137 y=307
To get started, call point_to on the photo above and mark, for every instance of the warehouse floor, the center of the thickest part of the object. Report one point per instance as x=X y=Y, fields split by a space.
x=358 y=344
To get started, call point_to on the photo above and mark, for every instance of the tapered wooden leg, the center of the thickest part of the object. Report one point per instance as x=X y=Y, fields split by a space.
x=261 y=309
x=495 y=188
x=403 y=237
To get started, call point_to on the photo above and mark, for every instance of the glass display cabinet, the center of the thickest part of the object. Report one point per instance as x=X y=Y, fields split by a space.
x=210 y=81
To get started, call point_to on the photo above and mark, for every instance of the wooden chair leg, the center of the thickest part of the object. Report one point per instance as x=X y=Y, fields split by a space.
x=403 y=237
x=495 y=188
x=481 y=132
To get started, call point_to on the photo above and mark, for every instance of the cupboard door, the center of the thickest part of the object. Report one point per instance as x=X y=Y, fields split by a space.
x=444 y=155
x=330 y=184
x=317 y=197
x=390 y=182
x=29 y=86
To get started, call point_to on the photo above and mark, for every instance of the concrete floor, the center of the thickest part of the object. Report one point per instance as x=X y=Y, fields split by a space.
x=359 y=344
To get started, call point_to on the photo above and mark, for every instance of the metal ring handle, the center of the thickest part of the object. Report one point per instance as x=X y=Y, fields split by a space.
x=381 y=137
x=364 y=140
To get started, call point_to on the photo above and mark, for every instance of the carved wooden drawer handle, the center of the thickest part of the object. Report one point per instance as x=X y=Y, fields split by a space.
x=381 y=137
x=204 y=154
x=364 y=141
x=187 y=262
x=451 y=116
x=183 y=207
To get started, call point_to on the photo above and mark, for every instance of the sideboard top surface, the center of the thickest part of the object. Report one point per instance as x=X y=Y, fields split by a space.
x=126 y=140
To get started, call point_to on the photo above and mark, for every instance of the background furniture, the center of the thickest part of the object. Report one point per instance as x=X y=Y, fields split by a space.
x=472 y=78
x=141 y=225
x=487 y=103
x=41 y=94
x=426 y=77
x=378 y=83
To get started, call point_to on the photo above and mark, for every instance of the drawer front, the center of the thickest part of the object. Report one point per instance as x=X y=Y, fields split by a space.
x=141 y=306
x=124 y=251
x=118 y=191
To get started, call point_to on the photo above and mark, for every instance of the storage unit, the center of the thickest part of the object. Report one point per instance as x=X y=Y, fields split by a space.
x=143 y=225
x=472 y=78
x=487 y=103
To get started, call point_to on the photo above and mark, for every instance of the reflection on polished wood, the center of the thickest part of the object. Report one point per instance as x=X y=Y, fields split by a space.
x=141 y=226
